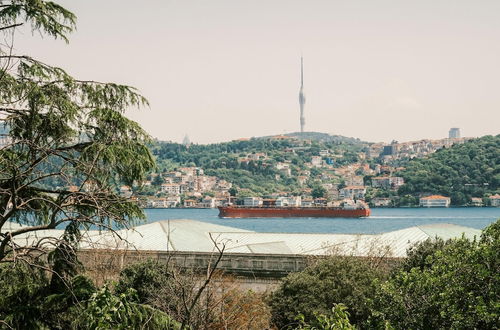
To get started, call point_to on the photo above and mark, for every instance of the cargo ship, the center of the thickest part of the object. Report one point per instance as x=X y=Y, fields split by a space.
x=235 y=211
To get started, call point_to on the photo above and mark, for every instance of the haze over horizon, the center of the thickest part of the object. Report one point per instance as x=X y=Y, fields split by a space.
x=223 y=70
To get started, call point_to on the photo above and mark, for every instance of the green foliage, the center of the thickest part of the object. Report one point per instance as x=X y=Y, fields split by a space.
x=45 y=16
x=145 y=278
x=318 y=191
x=71 y=144
x=456 y=286
x=461 y=172
x=104 y=310
x=258 y=176
x=29 y=300
x=346 y=280
x=21 y=291
x=420 y=255
x=337 y=320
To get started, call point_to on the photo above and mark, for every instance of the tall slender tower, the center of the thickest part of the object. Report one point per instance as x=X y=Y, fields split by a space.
x=302 y=98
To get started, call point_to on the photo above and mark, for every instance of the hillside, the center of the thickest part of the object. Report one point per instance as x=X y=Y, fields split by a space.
x=263 y=165
x=322 y=137
x=461 y=172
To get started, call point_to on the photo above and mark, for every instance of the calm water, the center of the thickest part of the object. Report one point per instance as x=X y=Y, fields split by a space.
x=381 y=220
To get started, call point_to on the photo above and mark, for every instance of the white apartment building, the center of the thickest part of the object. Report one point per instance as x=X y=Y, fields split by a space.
x=294 y=201
x=252 y=201
x=435 y=201
x=353 y=192
x=171 y=188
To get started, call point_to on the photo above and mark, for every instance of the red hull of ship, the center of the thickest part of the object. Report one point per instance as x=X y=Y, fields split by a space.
x=290 y=212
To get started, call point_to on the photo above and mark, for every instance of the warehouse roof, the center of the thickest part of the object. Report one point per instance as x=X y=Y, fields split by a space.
x=198 y=236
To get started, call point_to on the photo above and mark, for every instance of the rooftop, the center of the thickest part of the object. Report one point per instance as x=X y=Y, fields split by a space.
x=435 y=197
x=197 y=236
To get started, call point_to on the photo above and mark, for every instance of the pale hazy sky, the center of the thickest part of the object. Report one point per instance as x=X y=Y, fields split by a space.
x=220 y=70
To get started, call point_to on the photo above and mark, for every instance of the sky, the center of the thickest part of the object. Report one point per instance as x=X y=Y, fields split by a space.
x=220 y=70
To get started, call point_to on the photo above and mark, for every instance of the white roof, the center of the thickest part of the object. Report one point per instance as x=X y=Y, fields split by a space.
x=198 y=236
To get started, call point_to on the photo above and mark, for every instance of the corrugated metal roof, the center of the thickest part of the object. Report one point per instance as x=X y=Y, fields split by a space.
x=197 y=236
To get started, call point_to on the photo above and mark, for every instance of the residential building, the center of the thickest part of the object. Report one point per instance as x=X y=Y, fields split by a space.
x=207 y=202
x=302 y=179
x=252 y=201
x=294 y=201
x=476 y=201
x=387 y=182
x=316 y=161
x=171 y=188
x=284 y=169
x=353 y=192
x=435 y=201
x=320 y=201
x=306 y=202
x=381 y=202
x=454 y=133
x=125 y=191
x=257 y=156
x=173 y=201
x=495 y=200
x=353 y=180
x=190 y=203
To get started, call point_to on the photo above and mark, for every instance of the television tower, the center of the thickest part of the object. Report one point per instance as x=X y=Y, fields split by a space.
x=302 y=98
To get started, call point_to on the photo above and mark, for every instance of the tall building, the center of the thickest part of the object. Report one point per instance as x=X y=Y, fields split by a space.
x=302 y=98
x=454 y=133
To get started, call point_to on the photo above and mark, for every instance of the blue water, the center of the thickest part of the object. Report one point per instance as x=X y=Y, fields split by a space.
x=381 y=220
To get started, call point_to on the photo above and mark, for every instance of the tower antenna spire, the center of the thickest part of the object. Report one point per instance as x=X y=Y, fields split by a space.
x=302 y=98
x=301 y=72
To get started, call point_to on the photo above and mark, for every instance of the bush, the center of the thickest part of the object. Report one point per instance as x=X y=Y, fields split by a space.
x=346 y=280
x=458 y=287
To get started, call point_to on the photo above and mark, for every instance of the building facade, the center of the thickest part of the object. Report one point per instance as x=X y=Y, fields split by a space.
x=435 y=201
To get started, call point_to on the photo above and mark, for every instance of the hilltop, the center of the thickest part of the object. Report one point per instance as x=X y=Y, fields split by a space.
x=321 y=137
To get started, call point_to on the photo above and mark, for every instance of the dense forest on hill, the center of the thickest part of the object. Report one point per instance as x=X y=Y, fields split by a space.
x=463 y=171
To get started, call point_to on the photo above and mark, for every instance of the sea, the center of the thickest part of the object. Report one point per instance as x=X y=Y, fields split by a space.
x=381 y=220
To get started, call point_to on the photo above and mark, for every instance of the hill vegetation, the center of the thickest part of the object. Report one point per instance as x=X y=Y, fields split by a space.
x=461 y=172
x=253 y=164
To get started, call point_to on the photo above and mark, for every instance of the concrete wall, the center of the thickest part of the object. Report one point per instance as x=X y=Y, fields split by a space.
x=256 y=271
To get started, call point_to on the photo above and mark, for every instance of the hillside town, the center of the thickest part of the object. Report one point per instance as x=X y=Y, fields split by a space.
x=319 y=181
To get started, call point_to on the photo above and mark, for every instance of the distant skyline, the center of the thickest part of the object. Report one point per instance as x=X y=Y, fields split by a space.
x=222 y=70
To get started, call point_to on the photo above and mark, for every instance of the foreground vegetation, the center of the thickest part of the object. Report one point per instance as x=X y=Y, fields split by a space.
x=452 y=284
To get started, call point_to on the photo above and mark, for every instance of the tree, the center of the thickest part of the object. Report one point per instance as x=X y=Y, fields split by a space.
x=338 y=319
x=318 y=191
x=70 y=142
x=336 y=279
x=456 y=286
x=28 y=300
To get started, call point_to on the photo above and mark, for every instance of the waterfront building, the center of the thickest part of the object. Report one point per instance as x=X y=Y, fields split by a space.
x=381 y=202
x=252 y=201
x=495 y=200
x=476 y=201
x=435 y=201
